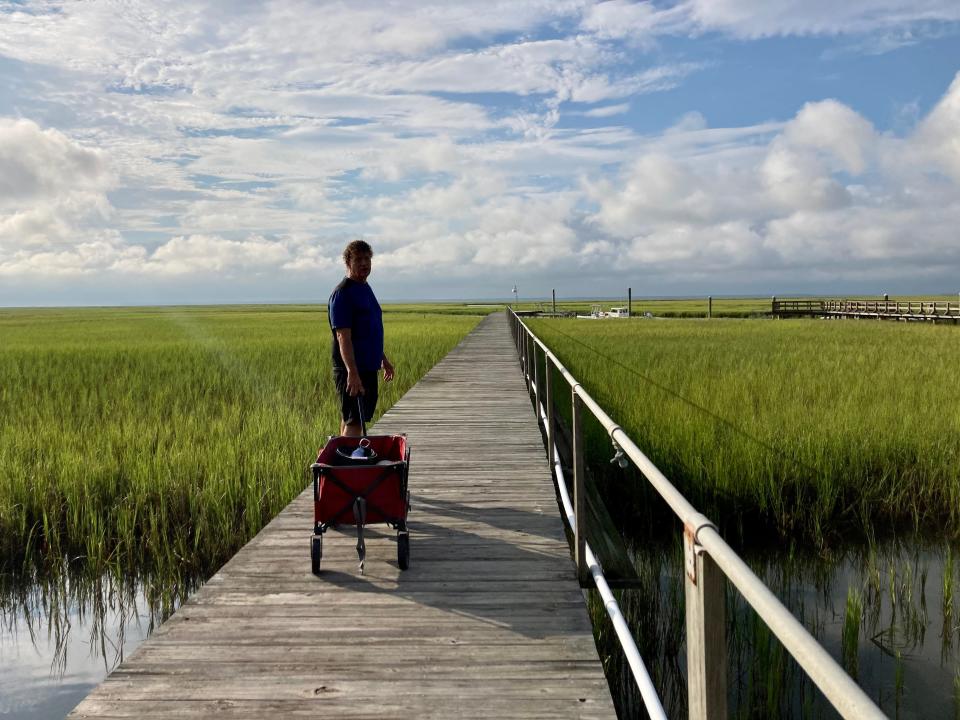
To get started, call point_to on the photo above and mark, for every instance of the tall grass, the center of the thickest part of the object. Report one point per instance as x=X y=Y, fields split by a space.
x=161 y=439
x=810 y=428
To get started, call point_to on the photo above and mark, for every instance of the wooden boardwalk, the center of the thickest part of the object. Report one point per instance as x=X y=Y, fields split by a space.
x=488 y=621
x=935 y=311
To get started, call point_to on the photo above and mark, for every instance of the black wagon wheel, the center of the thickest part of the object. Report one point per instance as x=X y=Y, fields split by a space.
x=316 y=552
x=403 y=549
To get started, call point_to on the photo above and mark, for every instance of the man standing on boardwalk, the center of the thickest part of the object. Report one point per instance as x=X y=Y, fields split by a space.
x=356 y=324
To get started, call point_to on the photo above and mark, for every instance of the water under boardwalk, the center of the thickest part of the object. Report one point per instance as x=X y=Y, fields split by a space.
x=489 y=620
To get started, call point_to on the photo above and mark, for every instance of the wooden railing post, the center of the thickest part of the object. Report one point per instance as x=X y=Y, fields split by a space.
x=526 y=365
x=706 y=632
x=529 y=363
x=579 y=492
x=536 y=379
x=548 y=405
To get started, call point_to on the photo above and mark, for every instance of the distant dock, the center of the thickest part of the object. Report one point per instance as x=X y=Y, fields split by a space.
x=906 y=311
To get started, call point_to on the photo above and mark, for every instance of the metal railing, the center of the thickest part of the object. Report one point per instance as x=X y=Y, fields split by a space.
x=708 y=560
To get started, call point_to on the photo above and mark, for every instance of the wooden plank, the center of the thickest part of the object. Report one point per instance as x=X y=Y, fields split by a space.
x=489 y=620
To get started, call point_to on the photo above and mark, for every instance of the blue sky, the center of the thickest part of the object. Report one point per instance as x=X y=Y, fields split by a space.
x=206 y=152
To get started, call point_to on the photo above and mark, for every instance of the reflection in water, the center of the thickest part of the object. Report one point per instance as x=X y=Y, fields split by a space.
x=885 y=613
x=62 y=633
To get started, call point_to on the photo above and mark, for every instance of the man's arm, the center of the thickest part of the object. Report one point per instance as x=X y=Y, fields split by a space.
x=345 y=341
x=388 y=370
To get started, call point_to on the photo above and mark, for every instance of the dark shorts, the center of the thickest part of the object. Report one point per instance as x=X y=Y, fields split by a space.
x=348 y=405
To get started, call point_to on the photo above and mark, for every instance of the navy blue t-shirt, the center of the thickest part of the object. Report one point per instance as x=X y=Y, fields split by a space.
x=353 y=305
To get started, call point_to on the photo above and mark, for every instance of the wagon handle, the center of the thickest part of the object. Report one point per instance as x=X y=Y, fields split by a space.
x=363 y=424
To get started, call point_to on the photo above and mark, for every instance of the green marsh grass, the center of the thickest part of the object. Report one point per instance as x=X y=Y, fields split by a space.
x=160 y=439
x=853 y=617
x=812 y=444
x=813 y=429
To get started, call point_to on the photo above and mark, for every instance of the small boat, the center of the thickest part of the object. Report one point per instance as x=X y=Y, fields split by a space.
x=595 y=314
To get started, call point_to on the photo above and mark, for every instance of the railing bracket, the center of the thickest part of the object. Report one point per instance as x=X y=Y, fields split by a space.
x=691 y=543
x=689 y=553
x=620 y=457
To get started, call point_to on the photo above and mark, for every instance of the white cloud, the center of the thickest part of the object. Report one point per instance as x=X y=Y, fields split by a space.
x=206 y=253
x=721 y=246
x=51 y=188
x=198 y=141
x=836 y=129
x=36 y=164
x=89 y=257
x=625 y=19
x=800 y=180
x=939 y=134
x=606 y=111
x=827 y=196
x=761 y=18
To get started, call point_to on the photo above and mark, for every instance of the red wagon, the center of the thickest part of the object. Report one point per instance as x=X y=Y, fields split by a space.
x=356 y=491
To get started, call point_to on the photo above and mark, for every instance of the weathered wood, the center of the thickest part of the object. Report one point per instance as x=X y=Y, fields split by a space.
x=489 y=620
x=551 y=429
x=602 y=533
x=706 y=635
x=579 y=494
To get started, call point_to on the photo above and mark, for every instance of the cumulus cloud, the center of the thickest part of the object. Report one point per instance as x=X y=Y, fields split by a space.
x=92 y=256
x=800 y=180
x=827 y=195
x=939 y=134
x=205 y=253
x=835 y=129
x=35 y=163
x=50 y=186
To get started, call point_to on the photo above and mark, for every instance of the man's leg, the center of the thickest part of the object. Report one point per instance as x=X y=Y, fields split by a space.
x=350 y=426
x=349 y=420
x=350 y=429
x=350 y=404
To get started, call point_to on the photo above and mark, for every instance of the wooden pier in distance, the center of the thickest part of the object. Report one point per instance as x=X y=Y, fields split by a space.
x=489 y=621
x=907 y=311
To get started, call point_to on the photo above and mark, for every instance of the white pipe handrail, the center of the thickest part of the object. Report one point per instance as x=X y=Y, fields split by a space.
x=640 y=674
x=837 y=686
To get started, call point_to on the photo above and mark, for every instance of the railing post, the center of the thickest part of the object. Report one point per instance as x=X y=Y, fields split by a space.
x=536 y=379
x=579 y=492
x=548 y=406
x=528 y=372
x=523 y=354
x=706 y=632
